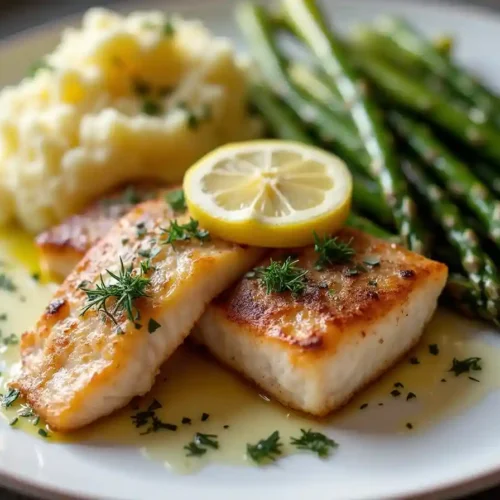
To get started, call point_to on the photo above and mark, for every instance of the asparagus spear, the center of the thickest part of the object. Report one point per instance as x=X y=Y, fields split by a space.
x=475 y=262
x=306 y=20
x=461 y=182
x=257 y=29
x=424 y=53
x=280 y=119
x=446 y=113
x=367 y=226
x=489 y=175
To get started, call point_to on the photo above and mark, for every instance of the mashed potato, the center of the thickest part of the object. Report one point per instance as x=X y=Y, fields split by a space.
x=122 y=98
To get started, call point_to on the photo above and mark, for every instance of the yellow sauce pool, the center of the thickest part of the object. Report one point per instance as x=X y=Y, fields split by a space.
x=192 y=384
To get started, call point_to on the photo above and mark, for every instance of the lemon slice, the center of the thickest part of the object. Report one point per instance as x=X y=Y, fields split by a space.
x=269 y=193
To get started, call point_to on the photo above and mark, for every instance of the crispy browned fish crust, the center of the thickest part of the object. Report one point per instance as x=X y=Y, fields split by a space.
x=353 y=318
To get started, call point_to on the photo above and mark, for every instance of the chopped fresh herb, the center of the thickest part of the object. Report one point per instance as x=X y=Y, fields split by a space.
x=43 y=433
x=411 y=395
x=414 y=361
x=186 y=420
x=193 y=450
x=143 y=418
x=141 y=229
x=6 y=283
x=206 y=440
x=153 y=325
x=226 y=426
x=395 y=393
x=35 y=276
x=465 y=365
x=355 y=270
x=443 y=380
x=398 y=384
x=145 y=252
x=332 y=292
x=373 y=283
x=204 y=417
x=409 y=425
x=363 y=406
x=267 y=449
x=3 y=317
x=168 y=28
x=176 y=200
x=12 y=339
x=434 y=349
x=184 y=232
x=473 y=379
x=315 y=442
x=9 y=398
x=372 y=260
x=331 y=251
x=141 y=87
x=26 y=411
x=13 y=421
x=381 y=404
x=280 y=277
x=37 y=66
x=127 y=287
x=151 y=107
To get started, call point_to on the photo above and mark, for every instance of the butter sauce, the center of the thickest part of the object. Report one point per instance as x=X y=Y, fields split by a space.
x=192 y=384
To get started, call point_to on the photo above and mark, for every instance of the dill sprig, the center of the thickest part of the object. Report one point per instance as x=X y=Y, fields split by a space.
x=465 y=365
x=184 y=232
x=201 y=443
x=279 y=277
x=126 y=288
x=332 y=251
x=176 y=200
x=315 y=442
x=266 y=449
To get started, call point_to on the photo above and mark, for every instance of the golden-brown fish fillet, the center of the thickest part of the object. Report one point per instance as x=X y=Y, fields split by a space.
x=78 y=368
x=353 y=322
x=64 y=245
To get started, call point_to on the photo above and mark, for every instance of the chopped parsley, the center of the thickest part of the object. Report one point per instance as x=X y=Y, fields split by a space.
x=411 y=395
x=153 y=325
x=151 y=107
x=372 y=260
x=395 y=393
x=280 y=277
x=128 y=286
x=200 y=444
x=266 y=450
x=399 y=384
x=204 y=417
x=315 y=442
x=434 y=349
x=9 y=398
x=149 y=417
x=6 y=283
x=11 y=339
x=176 y=200
x=465 y=365
x=331 y=251
x=43 y=433
x=184 y=232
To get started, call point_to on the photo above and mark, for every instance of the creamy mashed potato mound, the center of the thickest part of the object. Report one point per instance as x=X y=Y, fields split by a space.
x=121 y=98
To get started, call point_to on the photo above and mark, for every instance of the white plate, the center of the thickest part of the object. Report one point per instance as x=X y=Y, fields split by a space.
x=454 y=457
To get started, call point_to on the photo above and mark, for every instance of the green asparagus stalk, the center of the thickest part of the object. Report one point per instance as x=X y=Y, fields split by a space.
x=280 y=119
x=306 y=20
x=461 y=182
x=367 y=226
x=489 y=175
x=257 y=29
x=423 y=52
x=447 y=114
x=475 y=262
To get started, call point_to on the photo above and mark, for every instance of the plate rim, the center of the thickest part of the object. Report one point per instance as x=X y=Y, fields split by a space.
x=451 y=488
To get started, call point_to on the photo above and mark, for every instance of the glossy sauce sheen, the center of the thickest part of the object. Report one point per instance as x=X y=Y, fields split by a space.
x=192 y=384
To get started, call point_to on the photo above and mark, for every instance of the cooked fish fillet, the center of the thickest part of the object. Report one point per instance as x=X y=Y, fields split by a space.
x=78 y=368
x=64 y=245
x=314 y=352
